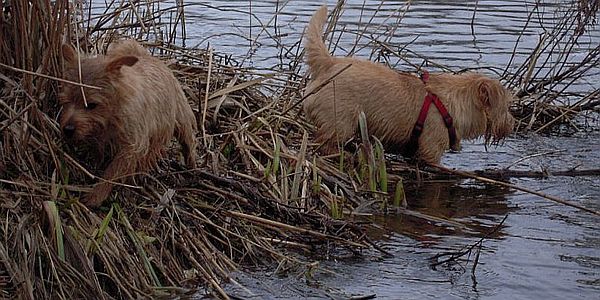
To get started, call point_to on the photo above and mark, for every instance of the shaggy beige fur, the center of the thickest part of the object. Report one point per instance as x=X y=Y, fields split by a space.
x=137 y=111
x=391 y=101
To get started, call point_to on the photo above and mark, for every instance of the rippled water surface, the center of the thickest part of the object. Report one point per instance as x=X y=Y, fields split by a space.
x=544 y=250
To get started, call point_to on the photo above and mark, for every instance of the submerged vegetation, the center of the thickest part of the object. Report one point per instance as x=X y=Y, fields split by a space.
x=263 y=195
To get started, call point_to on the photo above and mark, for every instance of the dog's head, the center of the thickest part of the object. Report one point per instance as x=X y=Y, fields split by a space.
x=496 y=101
x=88 y=113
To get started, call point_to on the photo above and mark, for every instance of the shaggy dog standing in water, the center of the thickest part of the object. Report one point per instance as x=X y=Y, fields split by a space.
x=476 y=105
x=136 y=112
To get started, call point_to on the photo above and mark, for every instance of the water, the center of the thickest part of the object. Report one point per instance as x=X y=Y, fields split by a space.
x=543 y=250
x=439 y=30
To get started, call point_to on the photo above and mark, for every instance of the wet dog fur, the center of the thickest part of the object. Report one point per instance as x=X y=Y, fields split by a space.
x=392 y=101
x=136 y=112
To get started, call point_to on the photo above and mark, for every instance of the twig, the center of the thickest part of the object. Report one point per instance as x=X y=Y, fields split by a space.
x=315 y=90
x=531 y=156
x=49 y=77
x=276 y=224
x=516 y=187
x=453 y=256
x=205 y=108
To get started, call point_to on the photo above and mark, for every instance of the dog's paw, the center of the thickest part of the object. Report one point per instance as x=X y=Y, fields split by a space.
x=92 y=201
x=97 y=196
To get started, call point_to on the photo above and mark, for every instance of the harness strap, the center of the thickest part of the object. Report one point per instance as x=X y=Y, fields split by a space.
x=413 y=143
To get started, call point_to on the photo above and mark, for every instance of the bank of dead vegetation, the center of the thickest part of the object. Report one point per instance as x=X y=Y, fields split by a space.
x=262 y=196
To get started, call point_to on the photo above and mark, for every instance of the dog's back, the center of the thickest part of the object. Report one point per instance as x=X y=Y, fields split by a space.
x=127 y=47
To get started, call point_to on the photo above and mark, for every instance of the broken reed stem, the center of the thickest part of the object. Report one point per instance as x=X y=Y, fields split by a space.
x=455 y=255
x=516 y=187
x=316 y=90
x=284 y=226
x=49 y=77
x=205 y=107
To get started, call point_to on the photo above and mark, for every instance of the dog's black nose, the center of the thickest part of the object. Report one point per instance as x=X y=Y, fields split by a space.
x=69 y=130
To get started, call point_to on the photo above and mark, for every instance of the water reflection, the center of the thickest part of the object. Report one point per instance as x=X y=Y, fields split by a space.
x=442 y=208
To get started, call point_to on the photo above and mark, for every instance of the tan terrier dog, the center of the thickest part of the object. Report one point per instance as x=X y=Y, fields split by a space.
x=136 y=112
x=392 y=101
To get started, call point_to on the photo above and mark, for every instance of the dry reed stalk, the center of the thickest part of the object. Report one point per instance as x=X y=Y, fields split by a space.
x=546 y=79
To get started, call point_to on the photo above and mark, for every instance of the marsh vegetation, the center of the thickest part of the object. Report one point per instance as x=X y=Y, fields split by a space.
x=263 y=195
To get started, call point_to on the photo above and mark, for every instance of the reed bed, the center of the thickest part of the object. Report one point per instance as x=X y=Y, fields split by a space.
x=542 y=82
x=262 y=196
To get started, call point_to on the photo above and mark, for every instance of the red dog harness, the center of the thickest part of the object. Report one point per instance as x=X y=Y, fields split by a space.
x=413 y=143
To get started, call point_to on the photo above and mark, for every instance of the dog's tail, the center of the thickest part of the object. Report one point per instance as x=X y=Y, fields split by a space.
x=318 y=57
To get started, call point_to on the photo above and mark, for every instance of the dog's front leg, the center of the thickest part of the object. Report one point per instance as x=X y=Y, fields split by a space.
x=122 y=165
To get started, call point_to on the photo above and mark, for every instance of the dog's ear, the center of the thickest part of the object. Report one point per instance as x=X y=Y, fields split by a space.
x=490 y=92
x=114 y=66
x=69 y=54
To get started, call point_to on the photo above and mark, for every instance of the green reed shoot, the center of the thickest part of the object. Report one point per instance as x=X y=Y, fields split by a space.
x=336 y=209
x=380 y=157
x=276 y=156
x=52 y=211
x=382 y=177
x=362 y=167
x=101 y=231
x=316 y=179
x=299 y=168
x=399 y=195
x=137 y=242
x=268 y=169
x=368 y=151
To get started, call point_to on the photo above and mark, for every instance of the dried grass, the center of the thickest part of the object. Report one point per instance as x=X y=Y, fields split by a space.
x=262 y=195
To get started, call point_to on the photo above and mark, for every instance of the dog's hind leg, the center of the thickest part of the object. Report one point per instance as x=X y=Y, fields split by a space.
x=333 y=138
x=185 y=135
x=328 y=142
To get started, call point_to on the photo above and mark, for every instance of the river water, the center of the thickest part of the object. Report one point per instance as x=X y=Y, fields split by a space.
x=543 y=250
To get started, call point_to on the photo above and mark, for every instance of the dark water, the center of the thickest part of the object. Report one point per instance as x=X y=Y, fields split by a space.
x=543 y=250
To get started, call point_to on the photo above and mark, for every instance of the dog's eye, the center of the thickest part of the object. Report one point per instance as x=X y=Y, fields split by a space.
x=91 y=106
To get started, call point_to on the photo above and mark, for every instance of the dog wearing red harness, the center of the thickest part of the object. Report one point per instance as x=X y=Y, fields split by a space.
x=397 y=105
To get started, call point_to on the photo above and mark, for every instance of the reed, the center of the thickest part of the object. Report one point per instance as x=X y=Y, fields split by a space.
x=262 y=191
